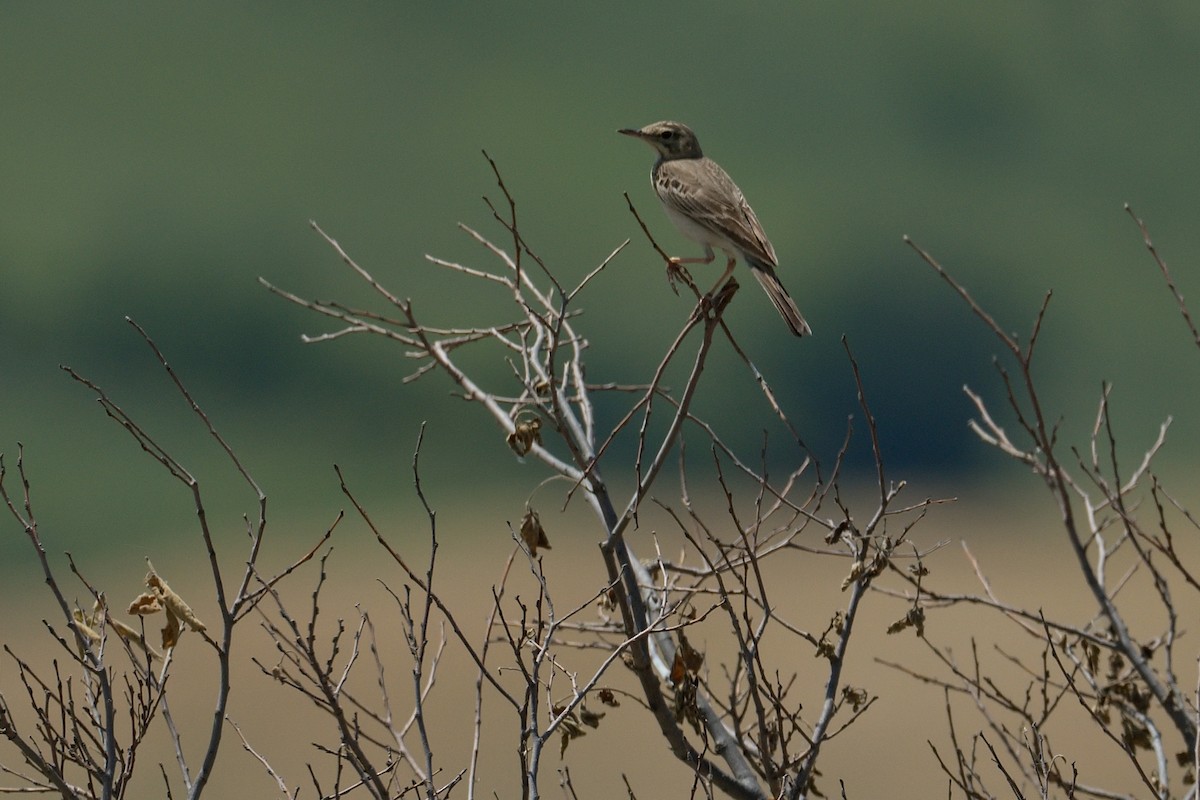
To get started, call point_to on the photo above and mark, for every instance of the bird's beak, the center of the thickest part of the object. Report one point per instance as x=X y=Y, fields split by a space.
x=632 y=132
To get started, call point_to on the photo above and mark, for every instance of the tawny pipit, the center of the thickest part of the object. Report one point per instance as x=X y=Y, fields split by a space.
x=708 y=207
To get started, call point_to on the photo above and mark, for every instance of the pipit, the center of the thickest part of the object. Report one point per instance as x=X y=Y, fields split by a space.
x=708 y=207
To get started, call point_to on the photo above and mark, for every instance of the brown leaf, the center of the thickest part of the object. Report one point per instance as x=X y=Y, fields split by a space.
x=81 y=623
x=857 y=569
x=835 y=535
x=174 y=602
x=532 y=532
x=678 y=670
x=145 y=603
x=915 y=618
x=570 y=730
x=525 y=434
x=590 y=718
x=687 y=662
x=855 y=697
x=693 y=659
x=171 y=630
x=685 y=702
x=134 y=637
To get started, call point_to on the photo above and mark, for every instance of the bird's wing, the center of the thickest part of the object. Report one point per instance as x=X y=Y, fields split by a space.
x=702 y=191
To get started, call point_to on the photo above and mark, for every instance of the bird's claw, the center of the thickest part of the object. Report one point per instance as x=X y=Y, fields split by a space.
x=676 y=271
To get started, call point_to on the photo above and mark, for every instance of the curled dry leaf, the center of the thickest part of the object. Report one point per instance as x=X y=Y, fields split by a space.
x=688 y=661
x=915 y=618
x=171 y=630
x=83 y=624
x=608 y=600
x=532 y=532
x=836 y=534
x=857 y=570
x=526 y=433
x=693 y=659
x=174 y=602
x=144 y=604
x=685 y=702
x=678 y=671
x=826 y=647
x=570 y=728
x=854 y=696
x=134 y=637
x=590 y=718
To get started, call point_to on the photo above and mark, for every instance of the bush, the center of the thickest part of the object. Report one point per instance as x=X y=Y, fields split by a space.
x=741 y=715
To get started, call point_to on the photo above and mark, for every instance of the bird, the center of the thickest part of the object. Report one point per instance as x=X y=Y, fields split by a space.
x=707 y=207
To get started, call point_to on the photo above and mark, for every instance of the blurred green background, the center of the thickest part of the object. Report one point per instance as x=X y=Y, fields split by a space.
x=157 y=158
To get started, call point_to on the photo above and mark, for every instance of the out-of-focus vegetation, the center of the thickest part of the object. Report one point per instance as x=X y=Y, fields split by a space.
x=156 y=159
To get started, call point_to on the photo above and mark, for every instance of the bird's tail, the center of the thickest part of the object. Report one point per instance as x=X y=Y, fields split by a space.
x=779 y=296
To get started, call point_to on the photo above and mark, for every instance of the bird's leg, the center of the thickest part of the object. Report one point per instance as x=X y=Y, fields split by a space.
x=722 y=291
x=707 y=258
x=718 y=301
x=726 y=274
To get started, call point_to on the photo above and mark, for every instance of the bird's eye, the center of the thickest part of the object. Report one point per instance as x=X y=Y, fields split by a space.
x=667 y=136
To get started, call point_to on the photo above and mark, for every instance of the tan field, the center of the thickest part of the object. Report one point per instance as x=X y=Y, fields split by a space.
x=886 y=753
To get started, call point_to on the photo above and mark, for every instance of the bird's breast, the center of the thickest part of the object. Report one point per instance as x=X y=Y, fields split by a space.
x=695 y=231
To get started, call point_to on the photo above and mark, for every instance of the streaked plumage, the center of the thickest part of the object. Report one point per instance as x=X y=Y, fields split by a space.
x=707 y=206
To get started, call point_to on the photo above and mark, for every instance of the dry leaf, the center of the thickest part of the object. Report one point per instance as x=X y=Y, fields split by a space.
x=570 y=730
x=526 y=433
x=174 y=602
x=82 y=624
x=678 y=671
x=688 y=661
x=855 y=697
x=835 y=535
x=856 y=571
x=590 y=718
x=915 y=618
x=685 y=702
x=693 y=659
x=144 y=604
x=171 y=631
x=532 y=532
x=134 y=637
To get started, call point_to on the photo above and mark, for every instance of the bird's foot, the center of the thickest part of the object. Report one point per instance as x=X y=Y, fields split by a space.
x=676 y=271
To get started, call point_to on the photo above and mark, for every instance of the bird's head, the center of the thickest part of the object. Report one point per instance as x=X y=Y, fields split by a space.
x=670 y=139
